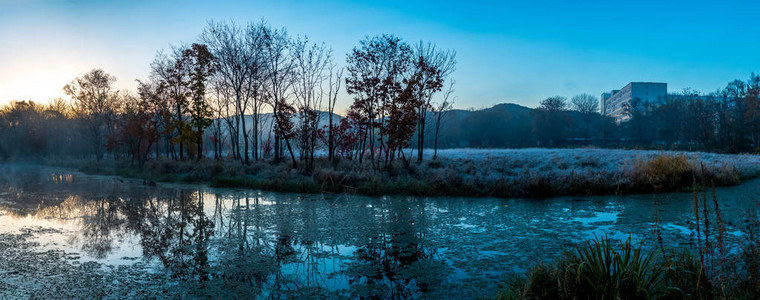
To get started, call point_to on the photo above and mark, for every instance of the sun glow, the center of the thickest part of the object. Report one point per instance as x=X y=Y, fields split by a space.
x=37 y=85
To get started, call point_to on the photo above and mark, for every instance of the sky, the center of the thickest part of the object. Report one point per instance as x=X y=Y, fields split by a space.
x=507 y=51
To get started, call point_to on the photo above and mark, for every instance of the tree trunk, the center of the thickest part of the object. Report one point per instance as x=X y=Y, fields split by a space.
x=237 y=137
x=255 y=140
x=200 y=148
x=216 y=148
x=420 y=134
x=245 y=132
x=292 y=156
x=435 y=138
x=330 y=148
x=276 y=134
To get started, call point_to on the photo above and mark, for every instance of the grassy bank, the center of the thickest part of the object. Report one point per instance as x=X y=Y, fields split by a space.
x=528 y=173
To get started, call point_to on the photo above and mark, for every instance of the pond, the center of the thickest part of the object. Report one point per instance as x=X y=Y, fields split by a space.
x=58 y=226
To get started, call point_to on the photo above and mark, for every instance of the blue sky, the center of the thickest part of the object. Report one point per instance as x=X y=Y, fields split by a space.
x=518 y=52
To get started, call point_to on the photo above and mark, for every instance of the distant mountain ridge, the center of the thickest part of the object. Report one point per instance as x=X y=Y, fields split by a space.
x=501 y=125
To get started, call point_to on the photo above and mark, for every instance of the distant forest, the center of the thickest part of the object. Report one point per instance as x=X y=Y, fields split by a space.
x=727 y=120
x=254 y=92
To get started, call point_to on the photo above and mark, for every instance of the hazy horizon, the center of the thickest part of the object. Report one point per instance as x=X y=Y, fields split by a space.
x=506 y=52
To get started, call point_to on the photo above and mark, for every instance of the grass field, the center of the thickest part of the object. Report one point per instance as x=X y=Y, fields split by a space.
x=525 y=173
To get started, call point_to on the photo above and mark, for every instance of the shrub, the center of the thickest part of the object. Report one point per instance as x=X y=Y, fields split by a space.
x=684 y=277
x=596 y=270
x=601 y=270
x=215 y=170
x=727 y=175
x=434 y=164
x=665 y=172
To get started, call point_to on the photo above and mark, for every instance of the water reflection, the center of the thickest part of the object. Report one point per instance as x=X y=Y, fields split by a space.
x=226 y=243
x=176 y=231
x=242 y=242
x=395 y=260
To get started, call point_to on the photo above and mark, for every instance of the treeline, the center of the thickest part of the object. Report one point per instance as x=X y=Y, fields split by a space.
x=254 y=92
x=247 y=93
x=722 y=121
x=726 y=120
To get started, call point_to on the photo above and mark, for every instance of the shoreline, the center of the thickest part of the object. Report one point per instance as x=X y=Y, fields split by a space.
x=112 y=282
x=546 y=173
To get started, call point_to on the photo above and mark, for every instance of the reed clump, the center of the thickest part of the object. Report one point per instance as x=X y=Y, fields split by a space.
x=604 y=269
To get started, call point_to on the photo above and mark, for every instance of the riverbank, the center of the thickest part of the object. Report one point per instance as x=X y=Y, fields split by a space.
x=520 y=173
x=99 y=236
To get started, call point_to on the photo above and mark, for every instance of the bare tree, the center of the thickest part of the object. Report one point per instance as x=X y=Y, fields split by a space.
x=61 y=106
x=135 y=130
x=169 y=71
x=553 y=104
x=588 y=106
x=239 y=65
x=227 y=109
x=255 y=38
x=433 y=66
x=332 y=98
x=441 y=110
x=155 y=103
x=312 y=62
x=220 y=104
x=279 y=66
x=91 y=95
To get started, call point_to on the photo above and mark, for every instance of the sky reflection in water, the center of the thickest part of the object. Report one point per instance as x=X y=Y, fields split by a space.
x=288 y=244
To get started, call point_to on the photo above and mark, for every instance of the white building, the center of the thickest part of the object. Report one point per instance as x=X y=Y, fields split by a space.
x=614 y=103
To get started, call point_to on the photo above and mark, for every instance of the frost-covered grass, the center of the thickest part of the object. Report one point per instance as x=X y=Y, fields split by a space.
x=580 y=159
x=524 y=173
x=551 y=172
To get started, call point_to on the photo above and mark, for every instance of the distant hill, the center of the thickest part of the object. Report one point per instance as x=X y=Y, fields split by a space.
x=502 y=125
x=480 y=128
x=266 y=120
x=511 y=108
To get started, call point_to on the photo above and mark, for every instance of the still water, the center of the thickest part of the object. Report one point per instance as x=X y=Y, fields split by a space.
x=274 y=245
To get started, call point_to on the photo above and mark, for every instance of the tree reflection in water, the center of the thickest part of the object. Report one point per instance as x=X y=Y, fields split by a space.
x=180 y=234
x=97 y=233
x=395 y=262
x=213 y=243
x=180 y=239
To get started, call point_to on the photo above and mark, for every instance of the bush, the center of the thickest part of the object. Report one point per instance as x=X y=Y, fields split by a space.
x=215 y=170
x=627 y=272
x=664 y=173
x=596 y=270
